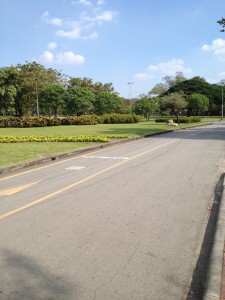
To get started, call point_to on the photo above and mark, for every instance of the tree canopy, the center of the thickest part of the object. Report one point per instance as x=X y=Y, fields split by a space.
x=221 y=22
x=175 y=102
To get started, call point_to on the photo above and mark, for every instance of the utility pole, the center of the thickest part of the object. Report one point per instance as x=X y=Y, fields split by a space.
x=130 y=83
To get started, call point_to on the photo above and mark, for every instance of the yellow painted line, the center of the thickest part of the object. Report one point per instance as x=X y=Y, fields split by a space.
x=10 y=213
x=59 y=162
x=17 y=189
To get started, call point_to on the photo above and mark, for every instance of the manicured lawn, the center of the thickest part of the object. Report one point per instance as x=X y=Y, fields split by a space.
x=19 y=152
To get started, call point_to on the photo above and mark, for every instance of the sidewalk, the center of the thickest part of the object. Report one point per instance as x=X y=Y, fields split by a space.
x=215 y=283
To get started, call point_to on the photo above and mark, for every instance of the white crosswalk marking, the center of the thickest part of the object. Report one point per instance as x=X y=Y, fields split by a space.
x=107 y=157
x=76 y=168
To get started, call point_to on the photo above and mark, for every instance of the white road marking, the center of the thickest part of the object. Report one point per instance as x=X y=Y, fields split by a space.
x=108 y=157
x=76 y=168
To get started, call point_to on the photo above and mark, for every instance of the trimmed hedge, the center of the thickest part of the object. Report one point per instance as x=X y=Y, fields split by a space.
x=82 y=138
x=26 y=139
x=181 y=119
x=25 y=122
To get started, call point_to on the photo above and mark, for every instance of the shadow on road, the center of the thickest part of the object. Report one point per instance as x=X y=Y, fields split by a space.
x=24 y=278
x=199 y=276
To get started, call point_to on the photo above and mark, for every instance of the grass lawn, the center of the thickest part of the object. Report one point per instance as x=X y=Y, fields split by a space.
x=19 y=152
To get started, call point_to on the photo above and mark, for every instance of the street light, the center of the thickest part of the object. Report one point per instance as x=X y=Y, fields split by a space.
x=222 y=84
x=130 y=83
x=37 y=98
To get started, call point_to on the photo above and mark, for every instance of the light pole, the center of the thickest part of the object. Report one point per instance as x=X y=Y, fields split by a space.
x=130 y=83
x=37 y=98
x=222 y=83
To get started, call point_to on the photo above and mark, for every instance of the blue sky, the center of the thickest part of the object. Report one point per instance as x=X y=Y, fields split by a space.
x=118 y=41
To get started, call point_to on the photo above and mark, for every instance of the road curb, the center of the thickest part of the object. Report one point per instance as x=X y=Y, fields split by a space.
x=215 y=269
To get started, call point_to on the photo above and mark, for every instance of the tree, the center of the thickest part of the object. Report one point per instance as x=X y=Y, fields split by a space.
x=200 y=86
x=80 y=101
x=32 y=78
x=90 y=85
x=159 y=89
x=222 y=23
x=175 y=102
x=168 y=81
x=107 y=103
x=52 y=99
x=197 y=104
x=8 y=90
x=146 y=106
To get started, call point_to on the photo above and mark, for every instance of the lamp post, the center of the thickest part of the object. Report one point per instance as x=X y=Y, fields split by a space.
x=130 y=83
x=222 y=83
x=37 y=98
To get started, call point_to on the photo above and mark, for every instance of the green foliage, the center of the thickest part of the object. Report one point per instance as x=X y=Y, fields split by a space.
x=32 y=78
x=146 y=107
x=168 y=81
x=81 y=120
x=80 y=101
x=175 y=102
x=118 y=119
x=26 y=139
x=197 y=104
x=26 y=122
x=221 y=22
x=181 y=119
x=107 y=102
x=198 y=85
x=52 y=98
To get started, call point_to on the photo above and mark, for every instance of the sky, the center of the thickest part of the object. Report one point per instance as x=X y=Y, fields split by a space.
x=131 y=43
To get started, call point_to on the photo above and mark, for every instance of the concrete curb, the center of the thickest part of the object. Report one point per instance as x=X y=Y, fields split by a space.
x=214 y=274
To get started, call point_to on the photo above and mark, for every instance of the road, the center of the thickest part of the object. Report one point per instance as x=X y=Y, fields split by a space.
x=124 y=222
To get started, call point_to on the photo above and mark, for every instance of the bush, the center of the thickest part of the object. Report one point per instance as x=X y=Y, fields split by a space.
x=181 y=119
x=25 y=122
x=26 y=139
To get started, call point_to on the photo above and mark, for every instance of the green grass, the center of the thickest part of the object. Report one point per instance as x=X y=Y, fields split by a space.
x=20 y=152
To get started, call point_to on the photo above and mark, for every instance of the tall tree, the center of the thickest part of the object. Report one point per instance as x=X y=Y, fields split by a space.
x=8 y=90
x=106 y=103
x=200 y=86
x=80 y=101
x=168 y=82
x=146 y=107
x=198 y=104
x=175 y=102
x=32 y=78
x=52 y=99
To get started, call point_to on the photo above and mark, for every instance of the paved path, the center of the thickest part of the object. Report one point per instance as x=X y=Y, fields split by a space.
x=120 y=223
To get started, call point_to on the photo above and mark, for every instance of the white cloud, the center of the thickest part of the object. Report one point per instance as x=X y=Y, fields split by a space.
x=52 y=45
x=217 y=47
x=73 y=34
x=85 y=2
x=105 y=16
x=47 y=57
x=170 y=67
x=68 y=57
x=53 y=21
x=84 y=27
x=101 y=2
x=143 y=76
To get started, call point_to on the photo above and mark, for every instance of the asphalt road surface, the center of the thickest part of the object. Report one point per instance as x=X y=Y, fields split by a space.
x=124 y=222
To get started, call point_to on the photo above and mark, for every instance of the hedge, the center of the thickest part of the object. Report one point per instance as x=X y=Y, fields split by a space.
x=25 y=122
x=181 y=119
x=82 y=138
